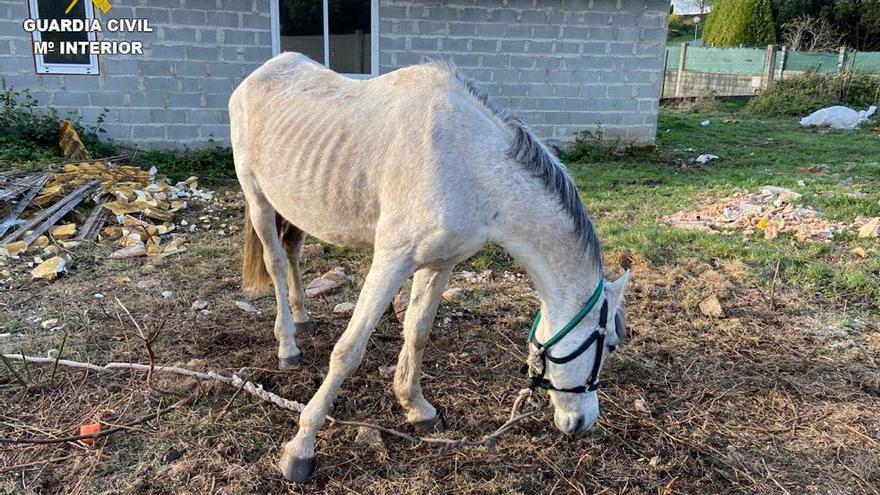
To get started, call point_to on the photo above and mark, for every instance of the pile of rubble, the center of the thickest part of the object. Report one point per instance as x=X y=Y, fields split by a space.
x=45 y=214
x=769 y=212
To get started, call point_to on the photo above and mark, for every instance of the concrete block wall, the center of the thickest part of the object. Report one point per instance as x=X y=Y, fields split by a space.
x=711 y=83
x=562 y=65
x=176 y=93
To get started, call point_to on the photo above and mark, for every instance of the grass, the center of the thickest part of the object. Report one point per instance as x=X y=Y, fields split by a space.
x=627 y=195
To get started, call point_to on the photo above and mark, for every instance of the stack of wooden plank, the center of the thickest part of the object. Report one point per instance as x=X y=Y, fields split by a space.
x=42 y=212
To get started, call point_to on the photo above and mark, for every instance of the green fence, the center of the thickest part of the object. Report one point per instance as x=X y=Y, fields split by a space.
x=813 y=62
x=751 y=60
x=866 y=62
x=731 y=60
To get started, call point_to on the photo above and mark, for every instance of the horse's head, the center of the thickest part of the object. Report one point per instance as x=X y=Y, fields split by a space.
x=571 y=369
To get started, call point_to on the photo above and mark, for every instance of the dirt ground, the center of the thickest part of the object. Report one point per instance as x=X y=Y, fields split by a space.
x=781 y=395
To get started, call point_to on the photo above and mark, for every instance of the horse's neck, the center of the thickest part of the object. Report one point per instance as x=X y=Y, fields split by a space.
x=543 y=241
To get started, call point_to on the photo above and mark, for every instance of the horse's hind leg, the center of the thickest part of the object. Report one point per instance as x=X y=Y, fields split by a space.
x=427 y=287
x=262 y=217
x=388 y=272
x=292 y=239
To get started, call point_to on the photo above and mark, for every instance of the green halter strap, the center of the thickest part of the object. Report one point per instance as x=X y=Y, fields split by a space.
x=588 y=306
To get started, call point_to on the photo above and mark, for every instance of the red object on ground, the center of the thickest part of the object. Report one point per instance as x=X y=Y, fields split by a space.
x=89 y=429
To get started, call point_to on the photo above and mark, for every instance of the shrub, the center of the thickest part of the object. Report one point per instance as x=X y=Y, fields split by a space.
x=593 y=146
x=740 y=22
x=27 y=133
x=680 y=27
x=31 y=134
x=806 y=93
x=210 y=163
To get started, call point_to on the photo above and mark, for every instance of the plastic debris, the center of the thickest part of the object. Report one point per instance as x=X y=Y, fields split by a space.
x=89 y=429
x=838 y=117
x=704 y=159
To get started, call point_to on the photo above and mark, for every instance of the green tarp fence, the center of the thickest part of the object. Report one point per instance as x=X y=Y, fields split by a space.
x=751 y=60
x=813 y=62
x=866 y=62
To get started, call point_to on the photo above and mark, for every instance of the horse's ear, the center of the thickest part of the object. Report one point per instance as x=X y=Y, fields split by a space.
x=617 y=289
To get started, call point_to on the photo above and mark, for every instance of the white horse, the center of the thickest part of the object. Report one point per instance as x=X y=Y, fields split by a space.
x=417 y=165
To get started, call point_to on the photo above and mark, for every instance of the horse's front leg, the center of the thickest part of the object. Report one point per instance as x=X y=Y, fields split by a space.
x=387 y=274
x=428 y=284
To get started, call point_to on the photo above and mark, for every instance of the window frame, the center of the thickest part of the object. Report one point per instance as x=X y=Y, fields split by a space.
x=374 y=36
x=41 y=67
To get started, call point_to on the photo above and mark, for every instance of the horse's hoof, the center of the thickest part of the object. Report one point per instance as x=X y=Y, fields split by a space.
x=297 y=470
x=433 y=425
x=305 y=327
x=289 y=361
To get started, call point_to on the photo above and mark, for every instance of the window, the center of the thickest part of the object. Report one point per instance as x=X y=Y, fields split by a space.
x=341 y=34
x=53 y=62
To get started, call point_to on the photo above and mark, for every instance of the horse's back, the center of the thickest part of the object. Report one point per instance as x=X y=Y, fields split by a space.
x=332 y=154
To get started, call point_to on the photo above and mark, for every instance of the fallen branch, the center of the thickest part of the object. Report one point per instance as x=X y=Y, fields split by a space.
x=257 y=390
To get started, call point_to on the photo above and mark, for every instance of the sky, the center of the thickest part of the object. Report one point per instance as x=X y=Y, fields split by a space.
x=685 y=7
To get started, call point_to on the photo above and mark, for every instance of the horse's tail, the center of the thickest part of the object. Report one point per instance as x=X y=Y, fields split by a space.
x=255 y=278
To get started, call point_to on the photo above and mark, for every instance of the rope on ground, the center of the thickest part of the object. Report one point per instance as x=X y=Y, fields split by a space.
x=257 y=390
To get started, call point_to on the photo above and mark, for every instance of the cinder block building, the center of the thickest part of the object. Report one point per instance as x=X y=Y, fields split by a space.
x=562 y=65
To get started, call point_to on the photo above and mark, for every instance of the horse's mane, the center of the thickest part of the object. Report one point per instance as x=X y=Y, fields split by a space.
x=527 y=150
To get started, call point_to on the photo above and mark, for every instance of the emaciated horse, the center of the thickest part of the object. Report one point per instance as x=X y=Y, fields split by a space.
x=419 y=166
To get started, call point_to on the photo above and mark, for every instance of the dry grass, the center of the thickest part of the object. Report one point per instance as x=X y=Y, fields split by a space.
x=761 y=401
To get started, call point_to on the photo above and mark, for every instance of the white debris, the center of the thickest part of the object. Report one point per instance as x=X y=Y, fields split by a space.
x=387 y=371
x=704 y=159
x=453 y=294
x=705 y=123
x=838 y=117
x=199 y=305
x=344 y=308
x=246 y=307
x=167 y=294
x=47 y=324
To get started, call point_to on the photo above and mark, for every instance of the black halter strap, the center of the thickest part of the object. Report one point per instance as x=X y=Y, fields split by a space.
x=597 y=337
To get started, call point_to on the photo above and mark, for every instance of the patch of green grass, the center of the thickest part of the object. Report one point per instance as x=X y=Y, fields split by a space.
x=210 y=163
x=627 y=196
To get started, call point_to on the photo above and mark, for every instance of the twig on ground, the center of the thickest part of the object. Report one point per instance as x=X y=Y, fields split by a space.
x=27 y=465
x=27 y=370
x=148 y=342
x=15 y=374
x=773 y=286
x=257 y=390
x=57 y=357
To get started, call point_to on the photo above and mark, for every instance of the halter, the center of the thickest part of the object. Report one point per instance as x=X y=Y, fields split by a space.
x=538 y=356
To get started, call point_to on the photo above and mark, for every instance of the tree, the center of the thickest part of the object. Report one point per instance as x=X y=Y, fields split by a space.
x=857 y=20
x=740 y=22
x=811 y=34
